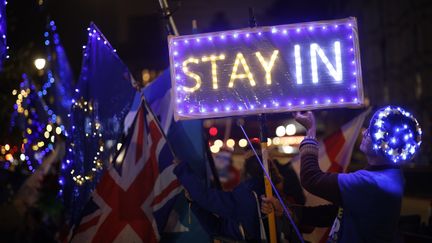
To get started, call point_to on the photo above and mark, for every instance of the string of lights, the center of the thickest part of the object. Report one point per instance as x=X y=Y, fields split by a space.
x=3 y=29
x=86 y=122
x=395 y=133
x=38 y=131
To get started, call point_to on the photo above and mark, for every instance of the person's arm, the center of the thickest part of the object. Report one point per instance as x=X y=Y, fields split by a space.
x=215 y=201
x=313 y=179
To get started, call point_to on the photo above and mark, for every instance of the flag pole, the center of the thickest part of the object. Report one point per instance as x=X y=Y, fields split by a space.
x=264 y=153
x=267 y=183
x=159 y=126
x=166 y=13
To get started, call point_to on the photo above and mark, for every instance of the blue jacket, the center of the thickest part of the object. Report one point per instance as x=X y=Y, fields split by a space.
x=224 y=213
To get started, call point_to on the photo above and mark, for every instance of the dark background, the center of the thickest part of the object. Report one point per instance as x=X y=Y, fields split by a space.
x=395 y=39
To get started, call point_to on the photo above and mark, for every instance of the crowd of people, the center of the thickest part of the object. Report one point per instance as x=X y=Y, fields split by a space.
x=364 y=205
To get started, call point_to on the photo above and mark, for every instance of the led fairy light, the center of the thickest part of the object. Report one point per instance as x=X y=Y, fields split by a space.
x=213 y=59
x=395 y=133
x=320 y=57
x=95 y=128
x=95 y=131
x=234 y=75
x=3 y=30
x=38 y=136
x=267 y=65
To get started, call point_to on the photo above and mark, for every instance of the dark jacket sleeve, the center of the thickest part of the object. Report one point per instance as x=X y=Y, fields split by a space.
x=216 y=226
x=313 y=179
x=216 y=201
x=318 y=216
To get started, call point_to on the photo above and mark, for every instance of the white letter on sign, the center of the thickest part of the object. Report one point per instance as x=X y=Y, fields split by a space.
x=192 y=75
x=298 y=64
x=213 y=60
x=234 y=75
x=267 y=65
x=335 y=73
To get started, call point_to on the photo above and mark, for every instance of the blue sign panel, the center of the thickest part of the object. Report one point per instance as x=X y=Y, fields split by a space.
x=265 y=70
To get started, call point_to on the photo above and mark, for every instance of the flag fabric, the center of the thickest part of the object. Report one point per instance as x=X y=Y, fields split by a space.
x=3 y=31
x=334 y=156
x=57 y=89
x=187 y=141
x=135 y=195
x=101 y=99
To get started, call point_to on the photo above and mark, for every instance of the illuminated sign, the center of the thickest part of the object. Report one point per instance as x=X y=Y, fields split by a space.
x=264 y=70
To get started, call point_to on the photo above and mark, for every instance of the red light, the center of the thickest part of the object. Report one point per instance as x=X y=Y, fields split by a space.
x=213 y=131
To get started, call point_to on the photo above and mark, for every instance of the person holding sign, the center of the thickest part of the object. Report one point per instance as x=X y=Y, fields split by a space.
x=229 y=215
x=369 y=200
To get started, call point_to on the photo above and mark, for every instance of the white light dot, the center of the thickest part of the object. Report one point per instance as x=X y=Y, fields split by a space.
x=243 y=143
x=214 y=149
x=218 y=143
x=58 y=130
x=269 y=142
x=291 y=129
x=230 y=143
x=39 y=63
x=280 y=131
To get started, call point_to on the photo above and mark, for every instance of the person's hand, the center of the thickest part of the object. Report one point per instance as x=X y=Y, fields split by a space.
x=187 y=195
x=270 y=205
x=307 y=119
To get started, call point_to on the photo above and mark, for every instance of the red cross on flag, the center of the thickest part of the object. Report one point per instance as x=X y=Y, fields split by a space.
x=134 y=197
x=334 y=156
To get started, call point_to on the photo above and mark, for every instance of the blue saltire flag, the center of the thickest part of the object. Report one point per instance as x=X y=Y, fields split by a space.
x=186 y=137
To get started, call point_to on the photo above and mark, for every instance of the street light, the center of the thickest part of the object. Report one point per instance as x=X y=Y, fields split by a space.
x=39 y=63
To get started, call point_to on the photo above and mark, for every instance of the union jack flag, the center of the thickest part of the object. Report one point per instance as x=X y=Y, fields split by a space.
x=134 y=197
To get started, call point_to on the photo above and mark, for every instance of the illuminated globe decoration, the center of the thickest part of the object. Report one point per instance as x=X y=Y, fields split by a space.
x=396 y=133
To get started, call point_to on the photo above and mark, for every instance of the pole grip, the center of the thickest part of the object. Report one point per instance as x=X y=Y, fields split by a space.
x=267 y=184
